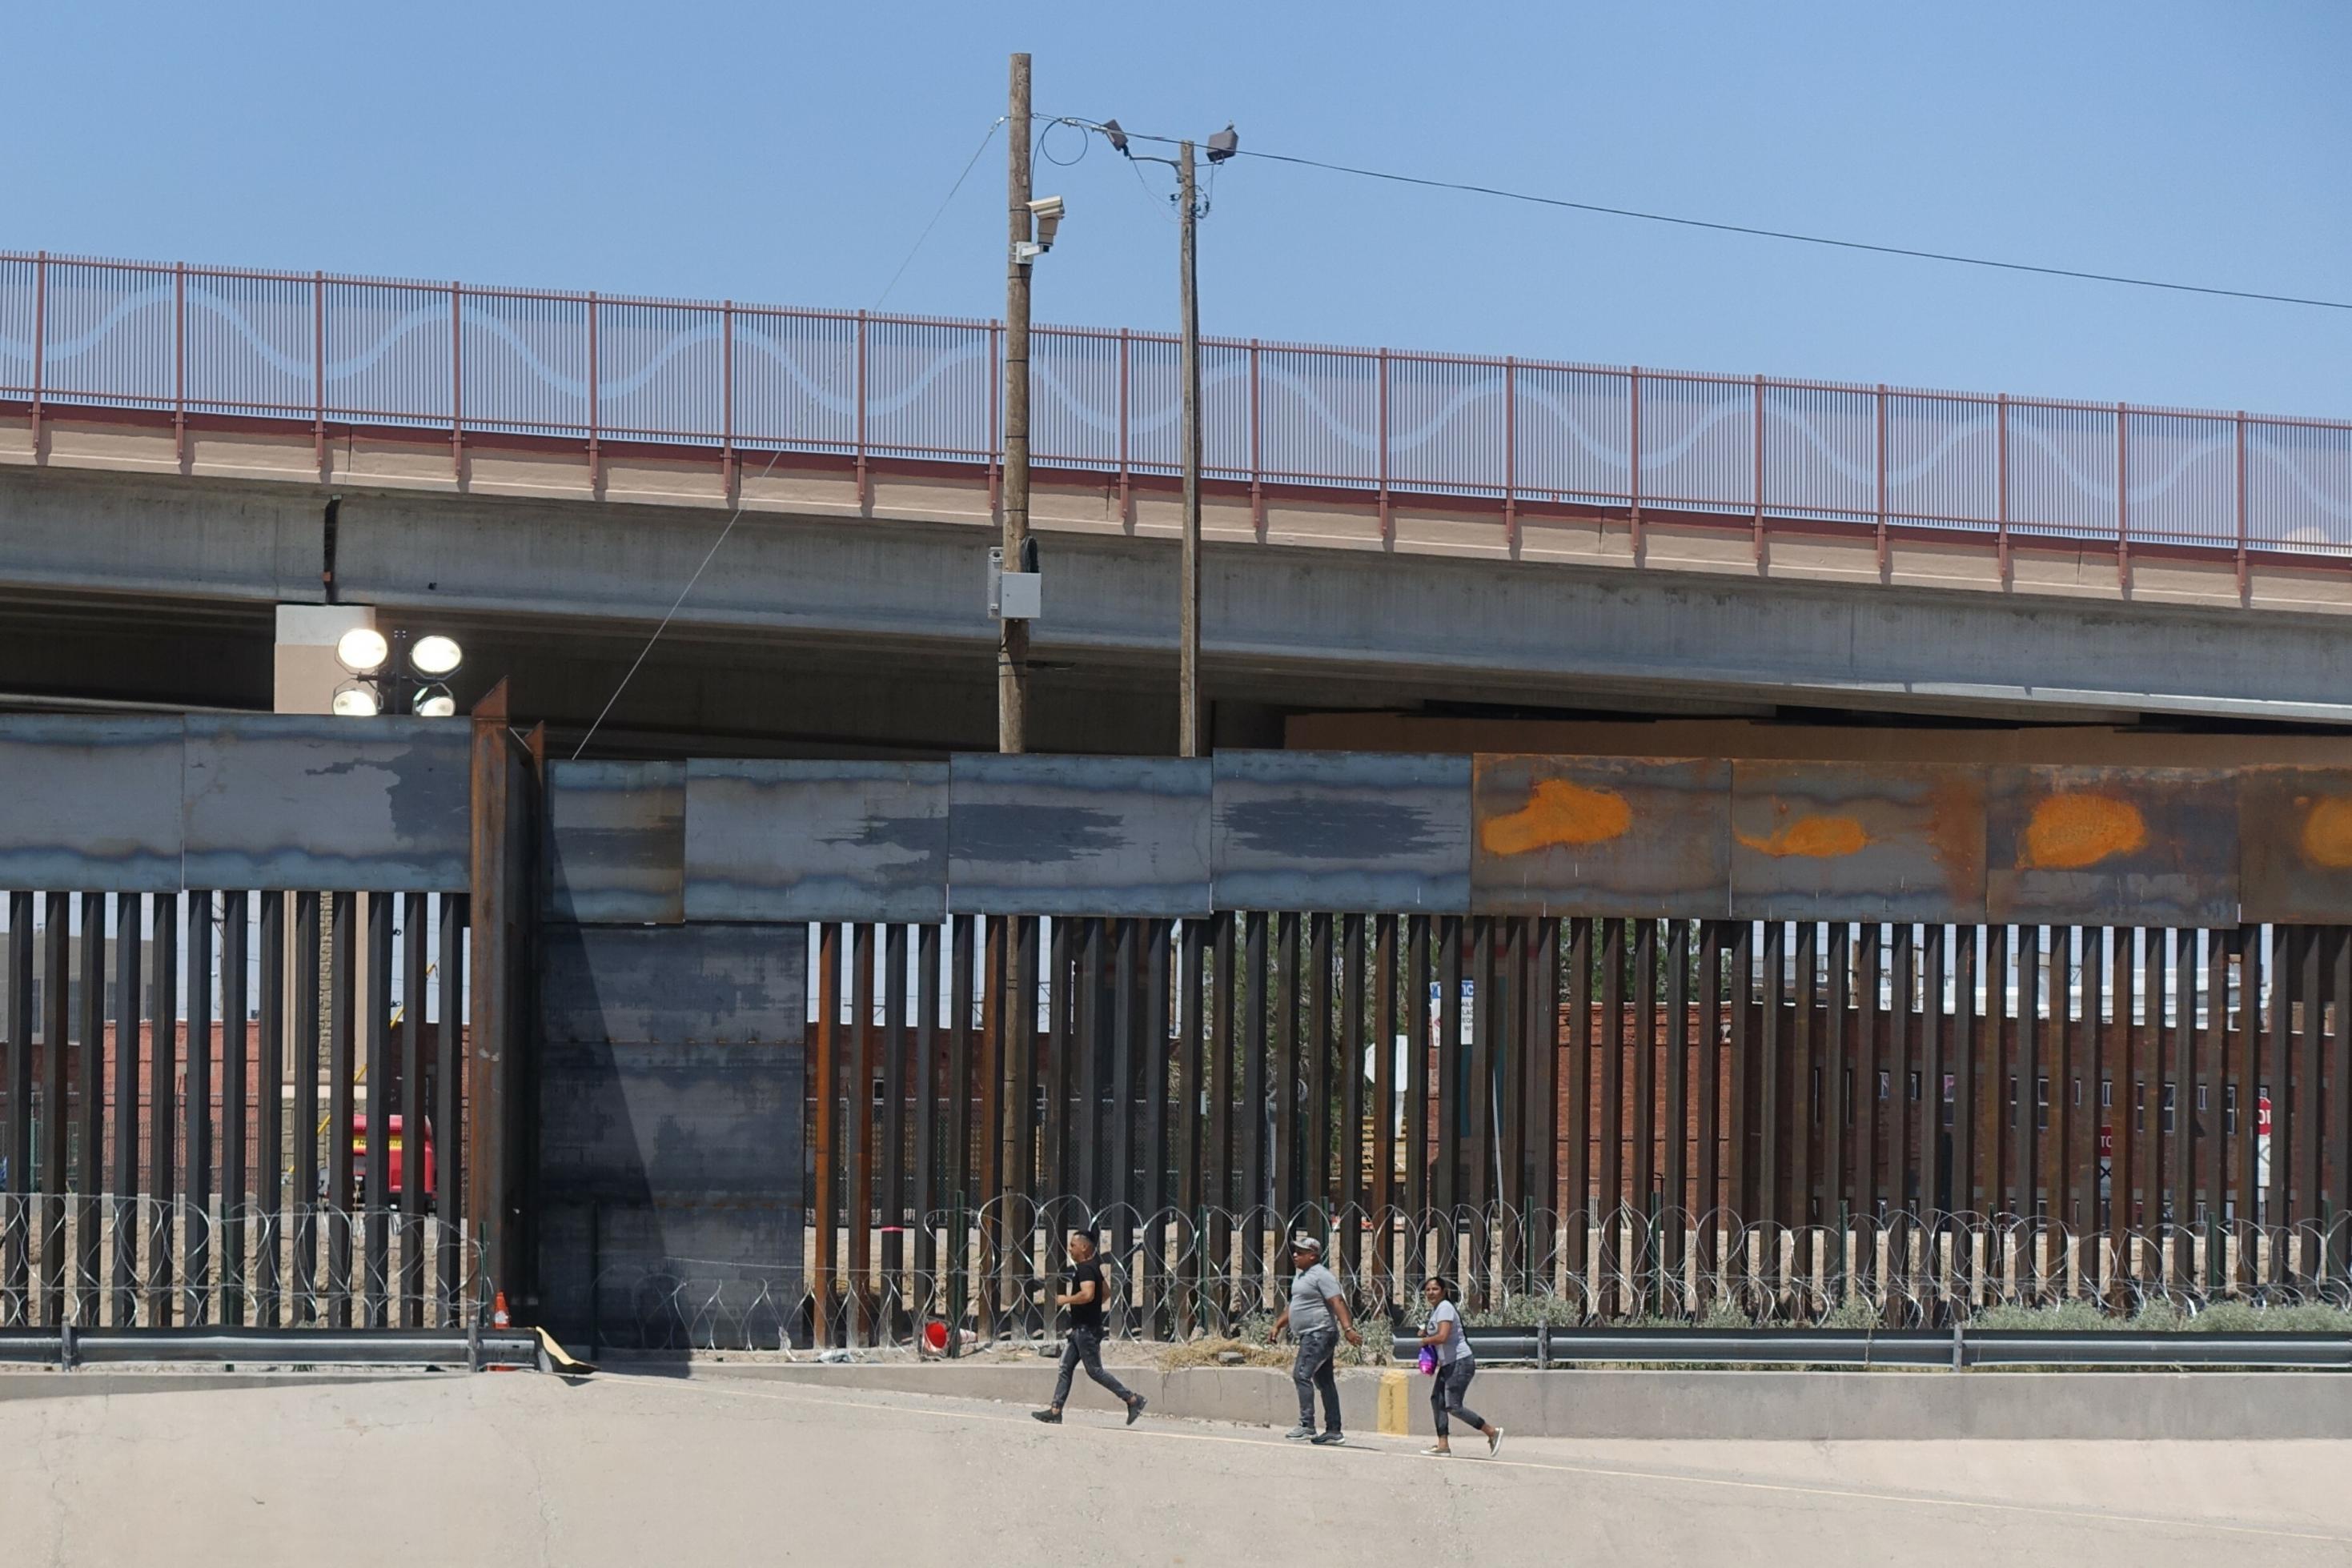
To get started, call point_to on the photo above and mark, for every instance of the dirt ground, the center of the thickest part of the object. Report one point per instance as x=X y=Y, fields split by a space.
x=626 y=1470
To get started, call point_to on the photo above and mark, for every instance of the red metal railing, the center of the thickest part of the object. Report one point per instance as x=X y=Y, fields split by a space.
x=1520 y=434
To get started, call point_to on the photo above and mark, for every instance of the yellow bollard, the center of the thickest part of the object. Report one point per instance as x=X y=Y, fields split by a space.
x=1395 y=1407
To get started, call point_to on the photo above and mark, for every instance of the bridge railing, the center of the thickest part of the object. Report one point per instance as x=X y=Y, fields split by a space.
x=1509 y=435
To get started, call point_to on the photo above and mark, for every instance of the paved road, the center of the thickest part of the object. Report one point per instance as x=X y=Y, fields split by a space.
x=519 y=1469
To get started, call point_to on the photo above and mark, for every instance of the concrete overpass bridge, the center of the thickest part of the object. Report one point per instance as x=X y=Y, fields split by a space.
x=183 y=450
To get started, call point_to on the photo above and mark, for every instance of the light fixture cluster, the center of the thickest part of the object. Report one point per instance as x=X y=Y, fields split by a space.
x=395 y=674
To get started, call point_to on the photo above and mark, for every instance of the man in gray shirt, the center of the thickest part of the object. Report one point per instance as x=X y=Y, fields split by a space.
x=1317 y=1315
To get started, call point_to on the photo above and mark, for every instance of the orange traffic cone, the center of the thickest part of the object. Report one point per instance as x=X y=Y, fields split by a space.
x=498 y=1318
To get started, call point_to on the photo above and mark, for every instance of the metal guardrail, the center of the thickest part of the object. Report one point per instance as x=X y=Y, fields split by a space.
x=1957 y=1348
x=448 y=362
x=69 y=1348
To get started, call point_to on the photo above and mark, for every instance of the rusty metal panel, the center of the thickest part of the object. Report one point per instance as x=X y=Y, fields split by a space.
x=2112 y=846
x=1079 y=835
x=1877 y=841
x=1634 y=836
x=2295 y=845
x=665 y=984
x=291 y=801
x=816 y=840
x=1358 y=832
x=92 y=803
x=615 y=842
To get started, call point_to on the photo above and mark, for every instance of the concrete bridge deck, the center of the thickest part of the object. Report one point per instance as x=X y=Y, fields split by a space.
x=870 y=591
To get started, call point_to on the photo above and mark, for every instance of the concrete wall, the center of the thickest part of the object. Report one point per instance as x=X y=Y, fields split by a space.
x=1742 y=1406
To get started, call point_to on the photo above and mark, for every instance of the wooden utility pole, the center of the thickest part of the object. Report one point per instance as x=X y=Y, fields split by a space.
x=1188 y=678
x=1012 y=647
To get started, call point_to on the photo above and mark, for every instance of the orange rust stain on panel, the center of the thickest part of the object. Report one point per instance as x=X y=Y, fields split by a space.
x=1557 y=813
x=1813 y=838
x=2327 y=831
x=2067 y=832
x=1956 y=827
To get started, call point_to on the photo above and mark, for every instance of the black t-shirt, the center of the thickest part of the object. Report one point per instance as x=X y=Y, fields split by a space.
x=1086 y=1314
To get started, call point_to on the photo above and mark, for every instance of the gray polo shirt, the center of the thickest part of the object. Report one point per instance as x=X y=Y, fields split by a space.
x=1307 y=1291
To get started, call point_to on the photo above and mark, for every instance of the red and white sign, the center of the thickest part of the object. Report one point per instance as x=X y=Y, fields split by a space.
x=2107 y=1143
x=2262 y=1117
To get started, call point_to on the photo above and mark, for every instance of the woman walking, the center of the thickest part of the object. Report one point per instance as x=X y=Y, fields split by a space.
x=1443 y=1341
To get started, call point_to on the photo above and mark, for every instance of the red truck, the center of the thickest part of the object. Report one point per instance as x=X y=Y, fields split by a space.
x=393 y=1150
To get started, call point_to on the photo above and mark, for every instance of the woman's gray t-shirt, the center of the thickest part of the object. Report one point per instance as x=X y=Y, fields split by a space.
x=1456 y=1346
x=1307 y=1291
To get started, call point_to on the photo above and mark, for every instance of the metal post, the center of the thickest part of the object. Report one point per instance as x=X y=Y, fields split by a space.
x=456 y=384
x=1511 y=453
x=1756 y=440
x=180 y=360
x=40 y=343
x=319 y=370
x=1388 y=523
x=863 y=400
x=594 y=411
x=1126 y=420
x=727 y=400
x=1257 y=469
x=2244 y=584
x=1188 y=678
x=1633 y=456
x=1012 y=647
x=1882 y=479
x=2001 y=479
x=2123 y=502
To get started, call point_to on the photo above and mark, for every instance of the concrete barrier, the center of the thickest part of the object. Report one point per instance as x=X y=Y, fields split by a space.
x=1736 y=1406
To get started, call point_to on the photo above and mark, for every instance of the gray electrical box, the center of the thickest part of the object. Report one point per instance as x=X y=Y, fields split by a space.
x=1014 y=595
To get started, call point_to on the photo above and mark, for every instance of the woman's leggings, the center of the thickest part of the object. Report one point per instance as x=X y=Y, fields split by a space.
x=1452 y=1381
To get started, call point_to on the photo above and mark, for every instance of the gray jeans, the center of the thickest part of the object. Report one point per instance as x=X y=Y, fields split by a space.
x=1313 y=1371
x=1449 y=1387
x=1086 y=1346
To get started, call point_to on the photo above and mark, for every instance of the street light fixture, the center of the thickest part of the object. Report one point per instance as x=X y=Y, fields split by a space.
x=381 y=667
x=363 y=651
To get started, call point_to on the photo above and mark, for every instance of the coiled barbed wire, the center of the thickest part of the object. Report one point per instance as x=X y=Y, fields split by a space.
x=141 y=1261
x=983 y=1272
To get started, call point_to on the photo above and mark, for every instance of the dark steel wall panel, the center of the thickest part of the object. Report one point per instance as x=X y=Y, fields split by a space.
x=2295 y=827
x=816 y=840
x=656 y=984
x=1079 y=835
x=670 y=1100
x=615 y=842
x=379 y=804
x=1346 y=832
x=2136 y=846
x=1826 y=840
x=92 y=803
x=1599 y=835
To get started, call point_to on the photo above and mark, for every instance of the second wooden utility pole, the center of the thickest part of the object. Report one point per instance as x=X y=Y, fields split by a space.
x=1013 y=647
x=1188 y=675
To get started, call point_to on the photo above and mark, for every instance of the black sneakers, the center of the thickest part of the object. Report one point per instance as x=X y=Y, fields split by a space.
x=1330 y=1439
x=1135 y=1409
x=1051 y=1417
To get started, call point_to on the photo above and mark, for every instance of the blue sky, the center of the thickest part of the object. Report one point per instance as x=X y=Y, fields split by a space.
x=792 y=154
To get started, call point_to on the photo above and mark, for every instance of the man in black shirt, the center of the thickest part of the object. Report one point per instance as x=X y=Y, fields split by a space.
x=1084 y=1299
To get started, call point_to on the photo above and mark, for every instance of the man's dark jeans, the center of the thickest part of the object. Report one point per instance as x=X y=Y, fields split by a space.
x=1316 y=1347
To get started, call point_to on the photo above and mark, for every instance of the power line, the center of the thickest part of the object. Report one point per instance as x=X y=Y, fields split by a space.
x=733 y=517
x=737 y=515
x=942 y=211
x=1752 y=231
